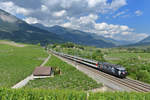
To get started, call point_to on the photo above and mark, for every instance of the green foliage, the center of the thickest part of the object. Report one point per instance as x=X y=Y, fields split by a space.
x=39 y=44
x=70 y=78
x=143 y=75
x=67 y=45
x=39 y=94
x=137 y=69
x=97 y=55
x=16 y=63
x=54 y=45
x=119 y=96
x=80 y=50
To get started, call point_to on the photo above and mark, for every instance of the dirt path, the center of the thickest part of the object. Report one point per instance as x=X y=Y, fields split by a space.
x=31 y=77
x=45 y=61
x=102 y=89
x=12 y=44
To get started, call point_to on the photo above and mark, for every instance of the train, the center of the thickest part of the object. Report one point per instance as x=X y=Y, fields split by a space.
x=112 y=69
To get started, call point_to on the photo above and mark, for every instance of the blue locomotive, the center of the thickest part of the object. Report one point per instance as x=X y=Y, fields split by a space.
x=112 y=69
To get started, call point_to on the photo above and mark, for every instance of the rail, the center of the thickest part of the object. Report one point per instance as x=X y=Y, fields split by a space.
x=130 y=83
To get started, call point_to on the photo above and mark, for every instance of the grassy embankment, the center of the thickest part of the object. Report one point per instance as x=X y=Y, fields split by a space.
x=16 y=63
x=70 y=78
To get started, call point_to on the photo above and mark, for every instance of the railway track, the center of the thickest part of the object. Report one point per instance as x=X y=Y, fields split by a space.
x=125 y=82
x=134 y=85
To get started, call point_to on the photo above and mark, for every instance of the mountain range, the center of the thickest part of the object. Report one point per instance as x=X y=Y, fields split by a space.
x=144 y=42
x=77 y=36
x=73 y=35
x=12 y=28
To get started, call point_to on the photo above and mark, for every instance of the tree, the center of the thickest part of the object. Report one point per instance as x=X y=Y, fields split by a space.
x=143 y=75
x=67 y=45
x=97 y=55
x=39 y=44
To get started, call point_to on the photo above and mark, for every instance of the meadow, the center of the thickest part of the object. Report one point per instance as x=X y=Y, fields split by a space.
x=16 y=63
x=70 y=78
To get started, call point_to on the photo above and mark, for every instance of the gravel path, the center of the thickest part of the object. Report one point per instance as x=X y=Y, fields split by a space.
x=31 y=77
x=45 y=61
x=12 y=44
x=97 y=77
x=23 y=82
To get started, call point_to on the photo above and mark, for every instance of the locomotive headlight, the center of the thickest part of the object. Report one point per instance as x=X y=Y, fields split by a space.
x=119 y=72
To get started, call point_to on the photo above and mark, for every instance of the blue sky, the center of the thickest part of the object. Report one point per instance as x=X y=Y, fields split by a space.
x=117 y=19
x=140 y=23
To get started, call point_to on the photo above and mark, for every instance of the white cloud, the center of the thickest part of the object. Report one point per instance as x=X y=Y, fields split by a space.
x=49 y=11
x=93 y=3
x=118 y=3
x=22 y=11
x=101 y=26
x=59 y=13
x=87 y=19
x=138 y=13
x=7 y=18
x=31 y=20
x=118 y=32
x=13 y=9
x=119 y=14
x=44 y=8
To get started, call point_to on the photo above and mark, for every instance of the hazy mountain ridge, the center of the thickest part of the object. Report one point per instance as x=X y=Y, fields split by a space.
x=77 y=36
x=144 y=42
x=61 y=30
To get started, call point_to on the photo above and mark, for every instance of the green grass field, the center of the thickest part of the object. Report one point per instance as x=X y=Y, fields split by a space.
x=70 y=78
x=143 y=56
x=16 y=63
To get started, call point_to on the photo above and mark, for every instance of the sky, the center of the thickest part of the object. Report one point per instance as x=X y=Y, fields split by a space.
x=117 y=19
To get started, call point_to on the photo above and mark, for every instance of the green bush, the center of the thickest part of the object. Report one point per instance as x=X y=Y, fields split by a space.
x=97 y=55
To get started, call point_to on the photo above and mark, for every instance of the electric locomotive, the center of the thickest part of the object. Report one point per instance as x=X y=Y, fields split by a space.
x=112 y=69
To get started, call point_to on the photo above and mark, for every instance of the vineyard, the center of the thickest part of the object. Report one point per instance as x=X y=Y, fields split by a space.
x=69 y=78
x=16 y=63
x=41 y=94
